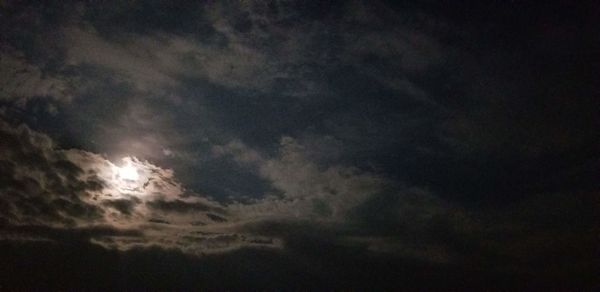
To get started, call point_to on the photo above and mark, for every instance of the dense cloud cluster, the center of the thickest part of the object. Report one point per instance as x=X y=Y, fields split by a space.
x=41 y=185
x=46 y=191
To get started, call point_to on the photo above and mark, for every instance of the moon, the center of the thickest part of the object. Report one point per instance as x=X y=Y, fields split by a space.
x=128 y=173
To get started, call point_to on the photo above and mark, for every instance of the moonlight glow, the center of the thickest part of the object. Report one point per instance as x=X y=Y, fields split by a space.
x=128 y=172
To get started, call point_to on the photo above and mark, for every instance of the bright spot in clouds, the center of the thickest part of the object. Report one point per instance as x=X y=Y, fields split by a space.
x=127 y=177
x=134 y=177
x=128 y=172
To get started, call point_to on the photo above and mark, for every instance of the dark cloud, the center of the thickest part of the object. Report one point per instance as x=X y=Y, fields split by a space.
x=159 y=221
x=216 y=218
x=124 y=206
x=40 y=184
x=182 y=206
x=69 y=234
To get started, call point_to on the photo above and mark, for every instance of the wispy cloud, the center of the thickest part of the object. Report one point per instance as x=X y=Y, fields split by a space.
x=21 y=80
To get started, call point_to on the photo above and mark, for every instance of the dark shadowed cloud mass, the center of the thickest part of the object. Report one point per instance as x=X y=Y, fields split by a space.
x=299 y=145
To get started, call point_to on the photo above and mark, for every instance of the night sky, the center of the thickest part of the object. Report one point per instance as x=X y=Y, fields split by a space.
x=299 y=145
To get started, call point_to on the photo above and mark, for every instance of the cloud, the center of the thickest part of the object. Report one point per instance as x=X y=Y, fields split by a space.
x=70 y=191
x=322 y=201
x=261 y=55
x=308 y=189
x=124 y=206
x=20 y=80
x=40 y=185
x=158 y=62
x=179 y=206
x=145 y=70
x=78 y=190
